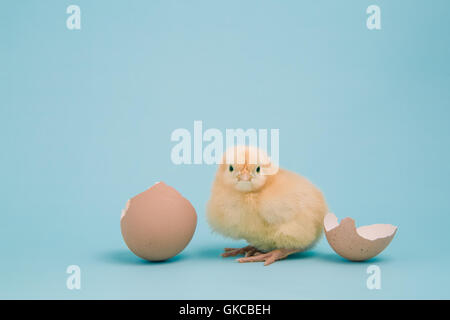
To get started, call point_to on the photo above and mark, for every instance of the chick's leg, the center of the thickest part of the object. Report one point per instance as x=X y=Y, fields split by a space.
x=248 y=251
x=270 y=257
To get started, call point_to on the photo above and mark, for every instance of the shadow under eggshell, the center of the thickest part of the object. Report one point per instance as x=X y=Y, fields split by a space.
x=158 y=223
x=357 y=244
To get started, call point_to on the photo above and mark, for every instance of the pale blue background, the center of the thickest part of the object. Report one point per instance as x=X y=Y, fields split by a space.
x=86 y=118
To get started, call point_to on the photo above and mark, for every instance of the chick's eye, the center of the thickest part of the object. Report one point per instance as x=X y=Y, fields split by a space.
x=258 y=169
x=230 y=168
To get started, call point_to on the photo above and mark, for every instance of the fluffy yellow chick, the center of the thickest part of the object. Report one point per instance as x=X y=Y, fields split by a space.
x=276 y=211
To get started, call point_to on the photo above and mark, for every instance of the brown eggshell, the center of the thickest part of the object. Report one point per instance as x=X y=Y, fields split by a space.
x=158 y=223
x=357 y=244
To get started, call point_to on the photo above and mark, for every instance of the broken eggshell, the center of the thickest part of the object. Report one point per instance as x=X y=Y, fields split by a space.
x=357 y=244
x=158 y=223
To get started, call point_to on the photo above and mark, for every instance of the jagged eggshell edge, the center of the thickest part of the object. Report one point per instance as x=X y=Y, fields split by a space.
x=357 y=244
x=164 y=191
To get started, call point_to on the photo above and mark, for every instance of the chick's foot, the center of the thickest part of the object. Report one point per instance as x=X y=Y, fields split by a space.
x=270 y=257
x=248 y=251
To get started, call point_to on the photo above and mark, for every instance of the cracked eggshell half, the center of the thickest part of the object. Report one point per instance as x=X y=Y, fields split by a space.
x=357 y=244
x=158 y=223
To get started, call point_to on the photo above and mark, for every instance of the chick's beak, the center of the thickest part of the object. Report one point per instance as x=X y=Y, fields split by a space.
x=244 y=176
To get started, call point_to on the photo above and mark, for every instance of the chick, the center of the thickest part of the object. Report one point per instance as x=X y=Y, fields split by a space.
x=276 y=211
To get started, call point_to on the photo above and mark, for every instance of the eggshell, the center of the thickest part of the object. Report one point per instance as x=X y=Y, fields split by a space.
x=357 y=244
x=158 y=223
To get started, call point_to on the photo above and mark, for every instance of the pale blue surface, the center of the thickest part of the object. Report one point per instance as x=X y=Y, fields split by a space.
x=86 y=118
